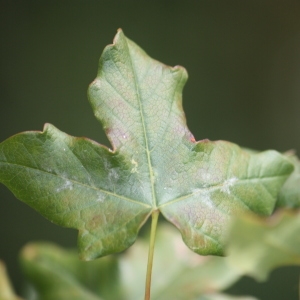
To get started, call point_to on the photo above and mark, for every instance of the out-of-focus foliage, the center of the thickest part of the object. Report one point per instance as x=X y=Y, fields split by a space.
x=6 y=290
x=256 y=246
x=178 y=273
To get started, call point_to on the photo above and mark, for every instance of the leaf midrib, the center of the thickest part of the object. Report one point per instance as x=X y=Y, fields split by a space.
x=149 y=163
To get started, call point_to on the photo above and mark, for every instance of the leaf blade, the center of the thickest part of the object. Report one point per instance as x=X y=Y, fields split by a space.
x=222 y=190
x=66 y=188
x=151 y=101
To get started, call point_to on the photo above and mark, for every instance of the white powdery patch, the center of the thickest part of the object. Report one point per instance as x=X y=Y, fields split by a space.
x=227 y=184
x=100 y=197
x=67 y=186
x=113 y=175
x=206 y=177
x=205 y=197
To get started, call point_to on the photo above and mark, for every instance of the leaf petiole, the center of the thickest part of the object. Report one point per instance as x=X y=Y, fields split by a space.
x=155 y=215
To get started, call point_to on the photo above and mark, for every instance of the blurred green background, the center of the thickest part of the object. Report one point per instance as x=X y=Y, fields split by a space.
x=243 y=60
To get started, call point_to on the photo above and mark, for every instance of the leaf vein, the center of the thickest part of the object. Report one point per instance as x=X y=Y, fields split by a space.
x=215 y=187
x=80 y=183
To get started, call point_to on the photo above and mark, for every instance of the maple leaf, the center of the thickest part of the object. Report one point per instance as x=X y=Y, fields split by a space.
x=155 y=164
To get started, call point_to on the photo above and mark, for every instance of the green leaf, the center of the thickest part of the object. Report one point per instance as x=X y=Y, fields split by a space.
x=6 y=290
x=289 y=195
x=258 y=245
x=155 y=164
x=56 y=273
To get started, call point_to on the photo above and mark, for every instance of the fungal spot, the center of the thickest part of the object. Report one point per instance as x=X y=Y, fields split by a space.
x=135 y=165
x=227 y=184
x=100 y=197
x=67 y=186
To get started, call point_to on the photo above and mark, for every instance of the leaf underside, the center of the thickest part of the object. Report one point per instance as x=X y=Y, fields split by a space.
x=154 y=164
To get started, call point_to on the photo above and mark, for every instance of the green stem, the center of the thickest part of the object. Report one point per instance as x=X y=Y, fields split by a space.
x=154 y=220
